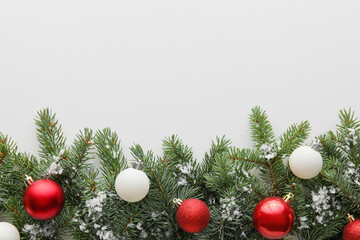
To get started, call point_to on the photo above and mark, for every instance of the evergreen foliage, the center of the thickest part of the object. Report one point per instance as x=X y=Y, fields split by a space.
x=62 y=164
x=230 y=180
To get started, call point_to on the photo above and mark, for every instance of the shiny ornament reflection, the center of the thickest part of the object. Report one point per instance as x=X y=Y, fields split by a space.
x=44 y=199
x=273 y=218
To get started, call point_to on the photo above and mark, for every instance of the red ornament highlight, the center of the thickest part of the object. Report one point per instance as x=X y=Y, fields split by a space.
x=44 y=199
x=273 y=217
x=352 y=229
x=193 y=215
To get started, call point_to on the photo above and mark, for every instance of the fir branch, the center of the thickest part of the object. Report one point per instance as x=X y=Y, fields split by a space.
x=222 y=175
x=347 y=121
x=14 y=170
x=220 y=226
x=336 y=139
x=80 y=235
x=294 y=136
x=138 y=153
x=331 y=231
x=225 y=173
x=82 y=145
x=62 y=227
x=166 y=188
x=7 y=147
x=81 y=149
x=93 y=184
x=281 y=180
x=123 y=230
x=343 y=185
x=273 y=179
x=16 y=213
x=2 y=156
x=49 y=134
x=258 y=192
x=174 y=149
x=219 y=147
x=247 y=158
x=322 y=141
x=112 y=158
x=261 y=129
x=233 y=158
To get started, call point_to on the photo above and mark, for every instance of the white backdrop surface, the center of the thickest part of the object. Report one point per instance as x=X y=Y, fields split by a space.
x=149 y=69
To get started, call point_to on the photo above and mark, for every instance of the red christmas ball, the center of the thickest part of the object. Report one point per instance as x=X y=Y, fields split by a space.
x=273 y=218
x=352 y=230
x=193 y=215
x=44 y=199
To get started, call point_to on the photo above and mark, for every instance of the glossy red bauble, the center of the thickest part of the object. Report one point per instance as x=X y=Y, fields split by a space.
x=193 y=215
x=352 y=230
x=273 y=218
x=44 y=199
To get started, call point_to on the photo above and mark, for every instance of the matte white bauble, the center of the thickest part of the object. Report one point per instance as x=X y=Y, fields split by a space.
x=305 y=162
x=132 y=185
x=8 y=232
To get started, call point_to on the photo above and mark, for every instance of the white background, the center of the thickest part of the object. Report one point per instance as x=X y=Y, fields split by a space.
x=149 y=69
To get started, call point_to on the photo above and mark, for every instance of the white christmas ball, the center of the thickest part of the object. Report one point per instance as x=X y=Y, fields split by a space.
x=305 y=162
x=8 y=232
x=132 y=185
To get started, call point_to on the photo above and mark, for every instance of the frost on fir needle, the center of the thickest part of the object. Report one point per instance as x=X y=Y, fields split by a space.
x=158 y=234
x=212 y=201
x=37 y=231
x=143 y=234
x=247 y=189
x=353 y=173
x=54 y=169
x=105 y=234
x=246 y=174
x=95 y=211
x=185 y=169
x=303 y=223
x=155 y=232
x=82 y=227
x=268 y=151
x=95 y=205
x=322 y=202
x=185 y=173
x=182 y=181
x=139 y=226
x=230 y=210
x=154 y=215
x=81 y=224
x=352 y=138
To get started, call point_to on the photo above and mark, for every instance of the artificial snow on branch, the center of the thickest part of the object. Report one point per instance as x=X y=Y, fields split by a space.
x=230 y=183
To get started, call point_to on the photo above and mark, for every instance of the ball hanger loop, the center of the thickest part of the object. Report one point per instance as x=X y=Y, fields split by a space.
x=350 y=218
x=289 y=197
x=315 y=145
x=177 y=201
x=138 y=165
x=28 y=180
